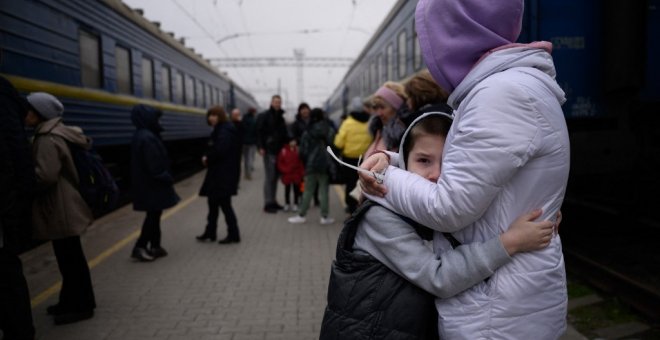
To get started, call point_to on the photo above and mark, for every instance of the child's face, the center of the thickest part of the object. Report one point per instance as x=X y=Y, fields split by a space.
x=425 y=158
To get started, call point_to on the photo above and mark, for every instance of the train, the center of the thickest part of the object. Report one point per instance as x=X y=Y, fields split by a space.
x=101 y=58
x=607 y=57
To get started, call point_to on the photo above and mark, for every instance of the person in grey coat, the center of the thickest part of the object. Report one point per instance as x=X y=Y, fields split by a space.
x=59 y=213
x=151 y=181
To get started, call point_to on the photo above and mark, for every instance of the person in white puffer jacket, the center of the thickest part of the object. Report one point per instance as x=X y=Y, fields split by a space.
x=506 y=153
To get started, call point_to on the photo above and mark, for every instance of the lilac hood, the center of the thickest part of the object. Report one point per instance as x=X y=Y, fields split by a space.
x=454 y=34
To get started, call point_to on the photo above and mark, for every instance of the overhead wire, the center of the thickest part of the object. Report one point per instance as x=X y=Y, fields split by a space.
x=206 y=32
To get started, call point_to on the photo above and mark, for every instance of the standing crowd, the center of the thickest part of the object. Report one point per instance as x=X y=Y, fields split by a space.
x=453 y=214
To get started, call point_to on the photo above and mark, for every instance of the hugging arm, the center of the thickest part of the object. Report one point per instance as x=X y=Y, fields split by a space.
x=486 y=147
x=395 y=243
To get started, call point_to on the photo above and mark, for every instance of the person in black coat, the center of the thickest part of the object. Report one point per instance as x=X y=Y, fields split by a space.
x=152 y=182
x=223 y=159
x=272 y=135
x=17 y=181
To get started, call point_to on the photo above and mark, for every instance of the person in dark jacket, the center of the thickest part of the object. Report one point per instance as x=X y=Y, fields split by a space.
x=223 y=159
x=313 y=153
x=151 y=180
x=59 y=213
x=301 y=122
x=272 y=135
x=249 y=141
x=16 y=189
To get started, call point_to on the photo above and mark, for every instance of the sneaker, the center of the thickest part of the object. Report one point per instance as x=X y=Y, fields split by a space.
x=294 y=207
x=297 y=219
x=142 y=255
x=327 y=220
x=286 y=207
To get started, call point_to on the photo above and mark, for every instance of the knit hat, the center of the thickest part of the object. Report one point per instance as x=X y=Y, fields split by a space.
x=356 y=104
x=453 y=35
x=46 y=105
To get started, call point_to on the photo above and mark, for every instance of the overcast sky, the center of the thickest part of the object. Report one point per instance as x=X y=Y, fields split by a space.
x=267 y=28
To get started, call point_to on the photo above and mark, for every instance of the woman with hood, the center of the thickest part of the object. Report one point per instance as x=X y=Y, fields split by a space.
x=507 y=152
x=151 y=181
x=383 y=256
x=59 y=213
x=223 y=160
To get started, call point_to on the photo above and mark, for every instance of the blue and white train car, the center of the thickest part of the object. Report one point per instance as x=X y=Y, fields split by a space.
x=100 y=58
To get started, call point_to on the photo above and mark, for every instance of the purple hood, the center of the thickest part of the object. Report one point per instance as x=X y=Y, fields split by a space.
x=454 y=34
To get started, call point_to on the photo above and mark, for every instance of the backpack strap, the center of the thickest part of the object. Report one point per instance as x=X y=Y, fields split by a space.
x=347 y=236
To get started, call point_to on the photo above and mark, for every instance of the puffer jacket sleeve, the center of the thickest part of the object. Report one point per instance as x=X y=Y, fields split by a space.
x=494 y=136
x=396 y=244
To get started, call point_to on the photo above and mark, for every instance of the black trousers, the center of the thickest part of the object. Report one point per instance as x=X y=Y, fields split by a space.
x=296 y=193
x=150 y=234
x=77 y=294
x=224 y=203
x=15 y=310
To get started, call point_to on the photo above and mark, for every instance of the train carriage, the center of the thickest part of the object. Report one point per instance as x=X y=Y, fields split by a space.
x=100 y=58
x=606 y=57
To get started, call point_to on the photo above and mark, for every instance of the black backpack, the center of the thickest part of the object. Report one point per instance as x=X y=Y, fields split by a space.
x=96 y=185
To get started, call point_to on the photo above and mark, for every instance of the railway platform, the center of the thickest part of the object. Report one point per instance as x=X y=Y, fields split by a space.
x=272 y=285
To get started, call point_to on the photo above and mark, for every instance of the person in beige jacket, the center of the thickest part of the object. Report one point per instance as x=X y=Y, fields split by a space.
x=59 y=212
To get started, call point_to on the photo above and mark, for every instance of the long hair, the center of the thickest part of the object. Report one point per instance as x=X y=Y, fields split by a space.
x=218 y=111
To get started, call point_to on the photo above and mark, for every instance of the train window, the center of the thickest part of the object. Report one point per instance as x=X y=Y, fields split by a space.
x=402 y=54
x=379 y=70
x=365 y=82
x=166 y=90
x=178 y=87
x=218 y=101
x=147 y=78
x=390 y=62
x=209 y=98
x=123 y=64
x=190 y=90
x=199 y=93
x=417 y=51
x=90 y=59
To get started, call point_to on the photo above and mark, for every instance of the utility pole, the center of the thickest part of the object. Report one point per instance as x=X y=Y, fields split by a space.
x=299 y=54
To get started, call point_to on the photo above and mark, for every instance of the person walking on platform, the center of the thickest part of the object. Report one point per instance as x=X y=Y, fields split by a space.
x=313 y=153
x=59 y=213
x=353 y=139
x=223 y=159
x=16 y=189
x=272 y=135
x=249 y=141
x=151 y=181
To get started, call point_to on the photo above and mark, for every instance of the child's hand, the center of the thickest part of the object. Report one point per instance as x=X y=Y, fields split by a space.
x=376 y=162
x=526 y=235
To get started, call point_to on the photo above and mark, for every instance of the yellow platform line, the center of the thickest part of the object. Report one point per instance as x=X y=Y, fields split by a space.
x=44 y=295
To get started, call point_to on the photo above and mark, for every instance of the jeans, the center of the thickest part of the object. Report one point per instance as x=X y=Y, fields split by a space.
x=311 y=182
x=270 y=182
x=296 y=193
x=248 y=159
